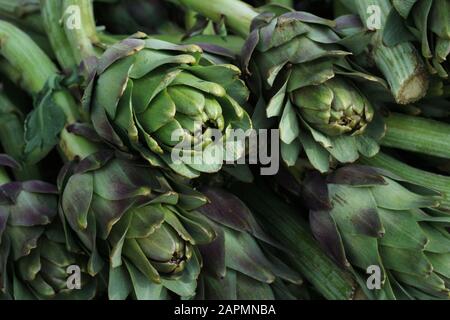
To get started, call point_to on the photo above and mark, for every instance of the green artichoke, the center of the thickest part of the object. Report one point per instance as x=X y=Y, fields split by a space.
x=169 y=103
x=128 y=211
x=25 y=209
x=238 y=264
x=426 y=21
x=366 y=217
x=45 y=272
x=307 y=80
x=32 y=251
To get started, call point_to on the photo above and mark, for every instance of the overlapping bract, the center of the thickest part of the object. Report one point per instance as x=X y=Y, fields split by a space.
x=426 y=21
x=366 y=217
x=307 y=81
x=33 y=255
x=45 y=273
x=238 y=264
x=148 y=230
x=162 y=99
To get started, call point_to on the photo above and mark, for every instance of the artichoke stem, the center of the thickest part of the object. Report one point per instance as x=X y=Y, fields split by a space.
x=35 y=69
x=12 y=138
x=401 y=65
x=238 y=15
x=288 y=228
x=82 y=34
x=26 y=15
x=51 y=12
x=416 y=134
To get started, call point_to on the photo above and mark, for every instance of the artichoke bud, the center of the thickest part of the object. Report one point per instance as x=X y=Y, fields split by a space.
x=335 y=107
x=161 y=96
x=166 y=250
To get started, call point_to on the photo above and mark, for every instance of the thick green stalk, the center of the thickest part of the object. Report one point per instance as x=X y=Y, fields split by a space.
x=36 y=69
x=417 y=134
x=71 y=28
x=286 y=226
x=428 y=179
x=18 y=8
x=12 y=138
x=23 y=13
x=238 y=15
x=80 y=31
x=52 y=16
x=401 y=65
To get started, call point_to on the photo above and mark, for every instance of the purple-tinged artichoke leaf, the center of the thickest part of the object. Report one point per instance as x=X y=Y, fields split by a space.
x=355 y=211
x=94 y=161
x=228 y=210
x=76 y=200
x=307 y=17
x=107 y=213
x=315 y=192
x=326 y=233
x=119 y=51
x=64 y=174
x=33 y=209
x=36 y=186
x=103 y=126
x=356 y=175
x=248 y=50
x=7 y=161
x=84 y=130
x=214 y=255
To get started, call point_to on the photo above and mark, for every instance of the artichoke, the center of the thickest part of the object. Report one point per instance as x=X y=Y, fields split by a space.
x=127 y=210
x=238 y=264
x=366 y=217
x=45 y=272
x=428 y=22
x=25 y=209
x=170 y=103
x=29 y=248
x=319 y=107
